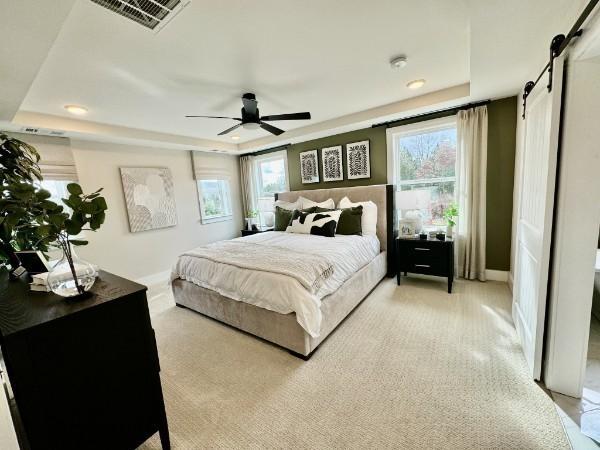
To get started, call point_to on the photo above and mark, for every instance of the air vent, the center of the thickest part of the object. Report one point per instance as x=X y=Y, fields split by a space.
x=153 y=14
x=42 y=131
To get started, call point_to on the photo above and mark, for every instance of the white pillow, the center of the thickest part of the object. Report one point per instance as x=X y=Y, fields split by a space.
x=368 y=221
x=290 y=206
x=306 y=203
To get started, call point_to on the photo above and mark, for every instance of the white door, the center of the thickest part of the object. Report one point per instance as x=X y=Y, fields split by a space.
x=534 y=220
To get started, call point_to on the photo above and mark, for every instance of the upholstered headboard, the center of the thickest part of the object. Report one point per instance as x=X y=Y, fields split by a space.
x=381 y=195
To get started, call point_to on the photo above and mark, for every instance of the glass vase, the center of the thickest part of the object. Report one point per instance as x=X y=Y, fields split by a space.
x=62 y=282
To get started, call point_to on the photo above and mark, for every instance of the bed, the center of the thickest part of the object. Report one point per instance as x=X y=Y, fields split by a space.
x=277 y=297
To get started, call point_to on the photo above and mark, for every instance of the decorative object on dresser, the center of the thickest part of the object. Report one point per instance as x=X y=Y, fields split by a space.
x=407 y=227
x=257 y=229
x=251 y=219
x=84 y=374
x=149 y=197
x=411 y=203
x=450 y=215
x=332 y=163
x=32 y=222
x=358 y=160
x=427 y=257
x=309 y=167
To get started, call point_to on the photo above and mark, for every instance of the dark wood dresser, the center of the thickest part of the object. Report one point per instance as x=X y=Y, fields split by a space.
x=427 y=257
x=85 y=373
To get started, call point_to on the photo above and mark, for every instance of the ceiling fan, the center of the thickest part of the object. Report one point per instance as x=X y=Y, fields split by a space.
x=251 y=120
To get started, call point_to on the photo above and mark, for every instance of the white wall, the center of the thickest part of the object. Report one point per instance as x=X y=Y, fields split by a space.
x=135 y=255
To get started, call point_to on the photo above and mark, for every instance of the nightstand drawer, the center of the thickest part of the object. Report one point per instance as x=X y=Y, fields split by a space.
x=423 y=252
x=435 y=267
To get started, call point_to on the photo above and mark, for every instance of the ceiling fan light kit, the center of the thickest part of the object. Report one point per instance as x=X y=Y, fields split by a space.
x=251 y=119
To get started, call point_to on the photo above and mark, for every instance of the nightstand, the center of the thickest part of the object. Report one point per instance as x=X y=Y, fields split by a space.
x=427 y=257
x=260 y=230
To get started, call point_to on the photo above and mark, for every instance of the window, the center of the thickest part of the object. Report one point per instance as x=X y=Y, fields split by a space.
x=271 y=178
x=58 y=191
x=215 y=200
x=424 y=163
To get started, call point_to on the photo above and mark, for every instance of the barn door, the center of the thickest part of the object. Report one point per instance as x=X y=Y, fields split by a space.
x=534 y=221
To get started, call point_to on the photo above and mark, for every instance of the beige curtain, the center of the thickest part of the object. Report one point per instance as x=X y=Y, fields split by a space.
x=247 y=180
x=472 y=132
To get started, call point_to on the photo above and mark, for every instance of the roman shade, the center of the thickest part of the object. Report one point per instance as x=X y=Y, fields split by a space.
x=56 y=156
x=208 y=166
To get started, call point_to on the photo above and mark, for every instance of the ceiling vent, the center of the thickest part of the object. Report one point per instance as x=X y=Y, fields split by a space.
x=153 y=14
x=42 y=131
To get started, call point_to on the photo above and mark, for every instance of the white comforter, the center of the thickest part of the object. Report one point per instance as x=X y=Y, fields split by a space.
x=281 y=293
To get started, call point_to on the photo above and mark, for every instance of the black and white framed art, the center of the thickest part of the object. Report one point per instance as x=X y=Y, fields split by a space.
x=358 y=160
x=331 y=158
x=309 y=167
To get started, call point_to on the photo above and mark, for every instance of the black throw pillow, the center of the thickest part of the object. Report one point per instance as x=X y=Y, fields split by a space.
x=350 y=220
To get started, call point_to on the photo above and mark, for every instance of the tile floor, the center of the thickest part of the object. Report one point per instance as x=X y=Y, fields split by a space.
x=581 y=416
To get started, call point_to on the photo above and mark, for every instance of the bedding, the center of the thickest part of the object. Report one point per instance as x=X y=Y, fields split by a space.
x=369 y=214
x=350 y=220
x=317 y=223
x=277 y=292
x=307 y=203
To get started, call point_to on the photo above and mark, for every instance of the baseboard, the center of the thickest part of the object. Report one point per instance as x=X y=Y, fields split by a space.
x=157 y=279
x=496 y=275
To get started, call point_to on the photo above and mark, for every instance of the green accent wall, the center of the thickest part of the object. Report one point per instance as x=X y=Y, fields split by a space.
x=502 y=130
x=378 y=150
x=502 y=123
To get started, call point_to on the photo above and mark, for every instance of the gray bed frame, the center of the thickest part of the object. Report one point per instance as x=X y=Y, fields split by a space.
x=283 y=329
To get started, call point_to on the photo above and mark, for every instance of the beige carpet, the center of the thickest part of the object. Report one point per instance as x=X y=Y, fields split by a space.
x=411 y=368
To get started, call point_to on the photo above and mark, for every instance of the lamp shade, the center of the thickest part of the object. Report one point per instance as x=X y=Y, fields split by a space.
x=415 y=199
x=266 y=204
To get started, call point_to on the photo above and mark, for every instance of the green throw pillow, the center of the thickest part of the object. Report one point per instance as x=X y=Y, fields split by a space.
x=350 y=220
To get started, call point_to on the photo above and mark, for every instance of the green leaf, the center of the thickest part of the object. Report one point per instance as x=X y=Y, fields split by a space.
x=72 y=227
x=78 y=242
x=97 y=220
x=100 y=203
x=74 y=189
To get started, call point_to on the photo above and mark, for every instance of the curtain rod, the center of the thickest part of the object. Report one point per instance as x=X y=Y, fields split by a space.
x=449 y=111
x=559 y=43
x=269 y=150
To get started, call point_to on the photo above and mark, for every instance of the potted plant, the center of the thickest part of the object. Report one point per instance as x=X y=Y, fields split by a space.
x=29 y=220
x=72 y=276
x=252 y=218
x=450 y=214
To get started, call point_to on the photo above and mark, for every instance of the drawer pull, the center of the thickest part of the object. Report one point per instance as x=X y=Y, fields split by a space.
x=422 y=265
x=422 y=249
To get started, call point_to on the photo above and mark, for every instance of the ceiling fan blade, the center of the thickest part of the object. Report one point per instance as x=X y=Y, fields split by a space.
x=250 y=104
x=271 y=129
x=293 y=116
x=217 y=117
x=230 y=129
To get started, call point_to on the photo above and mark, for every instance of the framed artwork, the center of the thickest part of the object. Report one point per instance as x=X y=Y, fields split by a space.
x=358 y=160
x=149 y=197
x=331 y=158
x=309 y=167
x=408 y=227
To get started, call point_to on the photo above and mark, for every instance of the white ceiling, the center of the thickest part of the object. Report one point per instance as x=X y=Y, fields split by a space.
x=329 y=57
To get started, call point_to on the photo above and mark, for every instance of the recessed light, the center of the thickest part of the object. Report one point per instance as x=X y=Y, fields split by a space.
x=416 y=84
x=235 y=138
x=76 y=109
x=399 y=62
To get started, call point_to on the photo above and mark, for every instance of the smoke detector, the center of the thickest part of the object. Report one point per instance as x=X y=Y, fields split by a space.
x=398 y=62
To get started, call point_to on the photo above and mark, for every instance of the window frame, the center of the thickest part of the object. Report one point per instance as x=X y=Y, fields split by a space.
x=257 y=179
x=396 y=133
x=227 y=201
x=266 y=157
